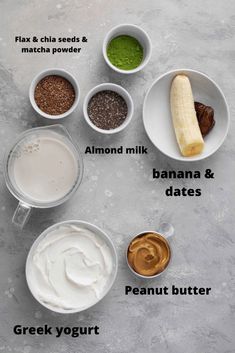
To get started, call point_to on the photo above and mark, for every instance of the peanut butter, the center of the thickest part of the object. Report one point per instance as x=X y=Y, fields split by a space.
x=148 y=254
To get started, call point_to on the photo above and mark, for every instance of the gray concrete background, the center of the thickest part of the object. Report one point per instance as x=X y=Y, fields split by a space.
x=118 y=193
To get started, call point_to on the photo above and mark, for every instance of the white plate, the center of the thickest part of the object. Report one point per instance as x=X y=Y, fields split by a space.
x=157 y=115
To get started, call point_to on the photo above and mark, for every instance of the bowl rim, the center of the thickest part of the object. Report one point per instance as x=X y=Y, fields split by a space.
x=227 y=116
x=60 y=72
x=90 y=226
x=115 y=88
x=146 y=57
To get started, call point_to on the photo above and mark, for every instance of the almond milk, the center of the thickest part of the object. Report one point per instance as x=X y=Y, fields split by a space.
x=44 y=167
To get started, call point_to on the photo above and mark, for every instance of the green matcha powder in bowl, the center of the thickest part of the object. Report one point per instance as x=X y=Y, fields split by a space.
x=125 y=52
x=127 y=48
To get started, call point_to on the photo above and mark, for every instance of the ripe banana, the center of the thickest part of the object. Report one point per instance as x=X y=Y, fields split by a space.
x=184 y=117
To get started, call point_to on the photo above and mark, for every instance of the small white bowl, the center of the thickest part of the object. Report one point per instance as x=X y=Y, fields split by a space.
x=84 y=225
x=133 y=31
x=115 y=88
x=58 y=72
x=157 y=113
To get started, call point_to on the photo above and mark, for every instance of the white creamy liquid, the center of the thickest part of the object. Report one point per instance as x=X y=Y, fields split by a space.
x=70 y=268
x=44 y=169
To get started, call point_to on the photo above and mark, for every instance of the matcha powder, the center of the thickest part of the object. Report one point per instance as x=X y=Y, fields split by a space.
x=125 y=52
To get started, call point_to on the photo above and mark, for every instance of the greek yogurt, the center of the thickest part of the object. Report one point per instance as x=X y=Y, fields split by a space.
x=70 y=268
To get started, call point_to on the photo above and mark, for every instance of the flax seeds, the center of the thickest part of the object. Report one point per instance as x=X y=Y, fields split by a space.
x=54 y=95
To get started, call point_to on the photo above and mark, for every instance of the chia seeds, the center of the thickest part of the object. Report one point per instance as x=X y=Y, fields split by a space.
x=107 y=110
x=54 y=95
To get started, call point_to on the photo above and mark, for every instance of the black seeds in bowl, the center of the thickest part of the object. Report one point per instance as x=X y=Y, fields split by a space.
x=107 y=110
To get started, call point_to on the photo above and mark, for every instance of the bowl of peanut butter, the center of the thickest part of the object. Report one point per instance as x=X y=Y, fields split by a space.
x=148 y=254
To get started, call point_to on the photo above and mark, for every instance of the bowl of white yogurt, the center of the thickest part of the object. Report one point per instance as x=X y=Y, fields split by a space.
x=71 y=266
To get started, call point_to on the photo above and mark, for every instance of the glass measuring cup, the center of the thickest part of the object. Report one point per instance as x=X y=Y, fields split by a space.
x=57 y=133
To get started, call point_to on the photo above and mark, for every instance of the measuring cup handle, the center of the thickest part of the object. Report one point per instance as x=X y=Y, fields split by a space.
x=21 y=214
x=166 y=229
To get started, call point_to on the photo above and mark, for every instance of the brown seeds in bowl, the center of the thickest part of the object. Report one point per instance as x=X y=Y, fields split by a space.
x=54 y=95
x=107 y=110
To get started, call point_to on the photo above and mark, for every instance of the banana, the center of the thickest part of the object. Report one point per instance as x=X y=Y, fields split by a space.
x=184 y=117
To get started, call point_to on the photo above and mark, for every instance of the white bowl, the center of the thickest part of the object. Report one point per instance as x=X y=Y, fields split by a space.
x=58 y=72
x=80 y=224
x=115 y=88
x=157 y=114
x=133 y=31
